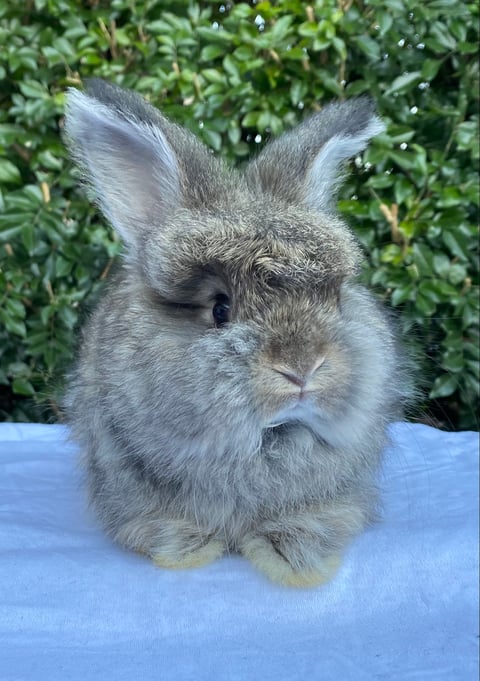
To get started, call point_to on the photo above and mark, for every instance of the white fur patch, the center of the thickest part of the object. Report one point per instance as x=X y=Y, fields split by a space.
x=306 y=412
x=325 y=174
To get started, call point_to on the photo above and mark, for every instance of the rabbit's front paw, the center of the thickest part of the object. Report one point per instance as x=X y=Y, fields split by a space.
x=171 y=543
x=264 y=552
x=189 y=558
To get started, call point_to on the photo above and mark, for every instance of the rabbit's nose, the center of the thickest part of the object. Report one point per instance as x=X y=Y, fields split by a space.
x=293 y=378
x=297 y=378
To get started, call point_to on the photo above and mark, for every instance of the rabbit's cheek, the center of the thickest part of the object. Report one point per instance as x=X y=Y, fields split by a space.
x=332 y=386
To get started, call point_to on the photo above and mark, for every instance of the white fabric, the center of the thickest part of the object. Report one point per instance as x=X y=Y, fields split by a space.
x=73 y=606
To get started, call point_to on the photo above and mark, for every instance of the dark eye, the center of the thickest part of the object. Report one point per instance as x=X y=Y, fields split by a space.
x=221 y=310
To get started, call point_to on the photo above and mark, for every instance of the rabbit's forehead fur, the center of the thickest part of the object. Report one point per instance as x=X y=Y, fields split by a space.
x=256 y=248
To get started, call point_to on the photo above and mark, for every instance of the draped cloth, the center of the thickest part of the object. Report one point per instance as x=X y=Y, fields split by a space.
x=74 y=606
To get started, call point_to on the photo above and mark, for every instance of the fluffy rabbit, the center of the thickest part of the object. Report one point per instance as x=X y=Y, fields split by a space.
x=235 y=383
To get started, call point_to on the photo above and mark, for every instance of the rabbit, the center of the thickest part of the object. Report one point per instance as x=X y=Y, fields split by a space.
x=235 y=383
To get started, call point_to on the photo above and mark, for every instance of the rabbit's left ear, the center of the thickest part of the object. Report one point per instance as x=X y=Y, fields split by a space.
x=305 y=165
x=128 y=161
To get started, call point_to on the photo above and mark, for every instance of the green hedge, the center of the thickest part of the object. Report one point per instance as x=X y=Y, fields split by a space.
x=236 y=73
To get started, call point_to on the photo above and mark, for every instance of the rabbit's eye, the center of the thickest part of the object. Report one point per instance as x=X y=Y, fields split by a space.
x=221 y=310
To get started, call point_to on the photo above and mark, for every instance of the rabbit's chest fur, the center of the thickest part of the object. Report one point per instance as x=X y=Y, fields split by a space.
x=227 y=490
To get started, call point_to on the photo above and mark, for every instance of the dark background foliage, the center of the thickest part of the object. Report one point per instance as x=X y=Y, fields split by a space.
x=237 y=73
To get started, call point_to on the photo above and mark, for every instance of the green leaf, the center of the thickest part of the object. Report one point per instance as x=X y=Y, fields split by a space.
x=430 y=68
x=250 y=119
x=29 y=236
x=15 y=308
x=453 y=362
x=10 y=133
x=457 y=244
x=429 y=290
x=385 y=21
x=404 y=189
x=213 y=75
x=368 y=46
x=466 y=135
x=457 y=274
x=425 y=305
x=12 y=324
x=281 y=27
x=211 y=52
x=404 y=83
x=440 y=37
x=33 y=89
x=21 y=386
x=441 y=264
x=423 y=259
x=212 y=138
x=244 y=53
x=444 y=386
x=298 y=90
x=403 y=159
x=401 y=294
x=62 y=267
x=212 y=35
x=9 y=172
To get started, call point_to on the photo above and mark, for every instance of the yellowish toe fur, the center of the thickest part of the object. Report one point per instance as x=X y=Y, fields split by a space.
x=202 y=556
x=262 y=554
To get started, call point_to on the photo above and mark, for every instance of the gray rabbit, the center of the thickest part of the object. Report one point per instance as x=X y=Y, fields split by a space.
x=235 y=383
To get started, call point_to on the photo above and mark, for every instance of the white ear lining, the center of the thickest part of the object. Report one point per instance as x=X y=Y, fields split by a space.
x=130 y=165
x=325 y=174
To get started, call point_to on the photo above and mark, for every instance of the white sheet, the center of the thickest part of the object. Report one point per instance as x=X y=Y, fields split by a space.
x=73 y=606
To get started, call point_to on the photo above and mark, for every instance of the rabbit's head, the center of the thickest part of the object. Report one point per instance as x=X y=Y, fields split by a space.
x=254 y=267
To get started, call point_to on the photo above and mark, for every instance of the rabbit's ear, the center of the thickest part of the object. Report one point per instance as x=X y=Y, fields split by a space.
x=305 y=165
x=126 y=158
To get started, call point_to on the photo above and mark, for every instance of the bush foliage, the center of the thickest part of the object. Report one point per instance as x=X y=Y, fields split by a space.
x=237 y=73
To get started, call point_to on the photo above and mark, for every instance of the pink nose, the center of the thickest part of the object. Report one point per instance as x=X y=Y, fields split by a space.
x=300 y=379
x=293 y=378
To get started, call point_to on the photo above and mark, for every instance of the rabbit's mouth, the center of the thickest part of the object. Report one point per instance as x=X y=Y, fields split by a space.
x=302 y=409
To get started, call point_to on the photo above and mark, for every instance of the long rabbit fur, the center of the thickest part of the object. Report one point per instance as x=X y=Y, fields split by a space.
x=235 y=383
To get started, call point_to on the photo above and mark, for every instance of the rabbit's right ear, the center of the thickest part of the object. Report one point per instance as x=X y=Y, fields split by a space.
x=305 y=165
x=126 y=158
